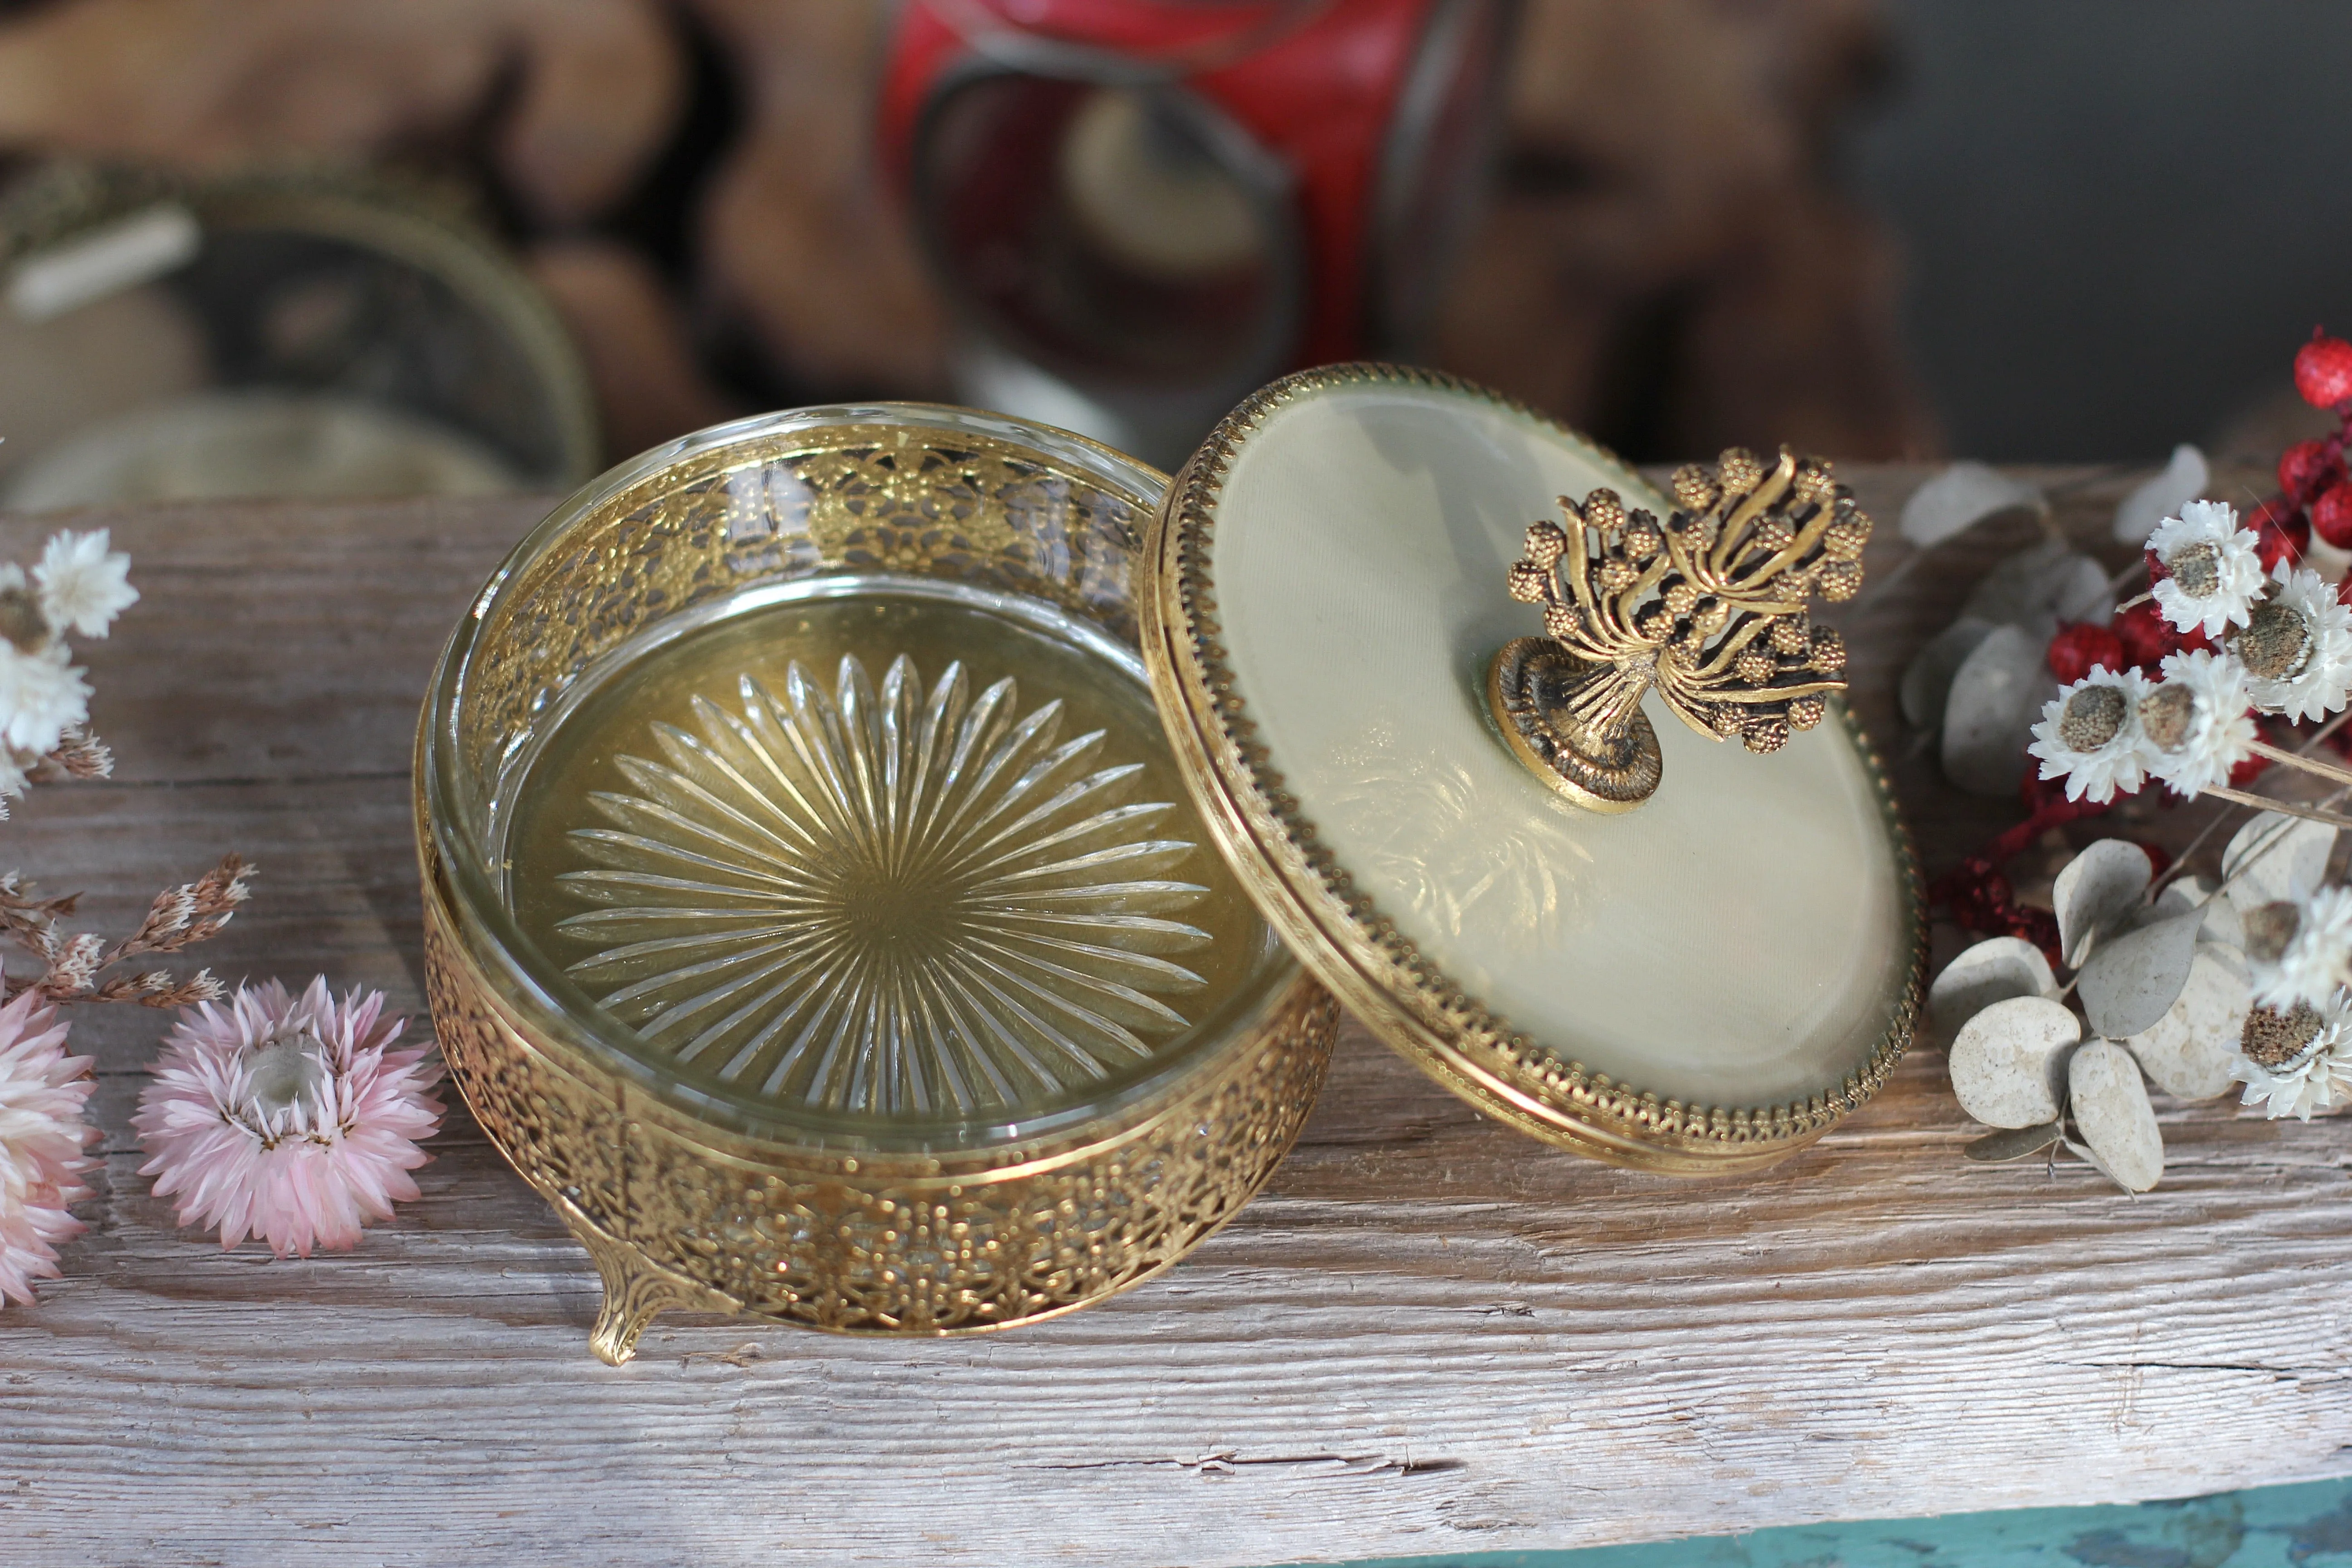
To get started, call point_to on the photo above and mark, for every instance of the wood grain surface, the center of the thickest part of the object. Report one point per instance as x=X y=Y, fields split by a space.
x=1430 y=1335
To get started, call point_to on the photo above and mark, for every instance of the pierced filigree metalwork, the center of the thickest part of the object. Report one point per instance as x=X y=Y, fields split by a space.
x=955 y=1243
x=886 y=901
x=683 y=1205
x=1707 y=607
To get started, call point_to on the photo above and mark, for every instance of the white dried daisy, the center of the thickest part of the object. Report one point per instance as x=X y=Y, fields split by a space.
x=41 y=697
x=2091 y=735
x=2196 y=720
x=83 y=584
x=2300 y=951
x=2296 y=646
x=2214 y=568
x=2297 y=1061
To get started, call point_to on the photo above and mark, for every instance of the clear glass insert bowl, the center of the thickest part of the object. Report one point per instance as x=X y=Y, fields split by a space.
x=900 y=901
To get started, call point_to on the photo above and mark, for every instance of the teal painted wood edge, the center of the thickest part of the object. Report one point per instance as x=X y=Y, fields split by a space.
x=2304 y=1526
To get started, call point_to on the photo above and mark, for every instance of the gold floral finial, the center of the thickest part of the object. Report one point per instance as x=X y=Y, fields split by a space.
x=1709 y=606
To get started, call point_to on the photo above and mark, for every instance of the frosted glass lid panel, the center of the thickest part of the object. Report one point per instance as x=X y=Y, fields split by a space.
x=1745 y=939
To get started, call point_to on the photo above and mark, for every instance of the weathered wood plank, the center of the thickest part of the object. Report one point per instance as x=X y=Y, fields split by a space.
x=1429 y=1336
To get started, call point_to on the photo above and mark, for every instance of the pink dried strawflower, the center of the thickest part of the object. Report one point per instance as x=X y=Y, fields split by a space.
x=287 y=1118
x=42 y=1091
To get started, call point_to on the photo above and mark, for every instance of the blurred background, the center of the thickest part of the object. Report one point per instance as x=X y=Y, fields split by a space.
x=304 y=247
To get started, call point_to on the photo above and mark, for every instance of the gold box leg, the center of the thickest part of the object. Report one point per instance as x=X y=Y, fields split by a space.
x=635 y=1291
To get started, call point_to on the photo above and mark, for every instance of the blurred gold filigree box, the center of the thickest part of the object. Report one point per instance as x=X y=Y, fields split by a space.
x=888 y=868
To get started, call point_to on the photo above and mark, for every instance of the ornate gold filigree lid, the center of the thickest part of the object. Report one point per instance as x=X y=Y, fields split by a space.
x=1700 y=985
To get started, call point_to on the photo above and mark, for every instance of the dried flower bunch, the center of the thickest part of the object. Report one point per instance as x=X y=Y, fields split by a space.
x=2198 y=988
x=2244 y=633
x=2286 y=650
x=80 y=585
x=2045 y=685
x=292 y=1119
x=1709 y=605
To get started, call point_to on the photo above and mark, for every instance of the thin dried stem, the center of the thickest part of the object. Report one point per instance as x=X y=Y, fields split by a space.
x=2284 y=808
x=2333 y=773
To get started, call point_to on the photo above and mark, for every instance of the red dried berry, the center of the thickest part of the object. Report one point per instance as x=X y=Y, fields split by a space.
x=2040 y=795
x=1981 y=900
x=2280 y=533
x=2331 y=515
x=2247 y=771
x=2308 y=468
x=1975 y=890
x=2078 y=649
x=2145 y=635
x=2323 y=370
x=2156 y=570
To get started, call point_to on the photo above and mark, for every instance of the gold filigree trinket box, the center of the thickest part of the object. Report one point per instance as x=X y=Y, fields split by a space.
x=889 y=869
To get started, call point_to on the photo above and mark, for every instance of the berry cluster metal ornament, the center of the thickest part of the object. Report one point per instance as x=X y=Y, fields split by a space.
x=1708 y=607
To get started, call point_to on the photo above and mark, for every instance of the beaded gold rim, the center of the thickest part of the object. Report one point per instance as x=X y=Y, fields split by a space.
x=1338 y=932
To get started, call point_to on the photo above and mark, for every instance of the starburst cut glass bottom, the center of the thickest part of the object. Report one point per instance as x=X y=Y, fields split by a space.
x=918 y=896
